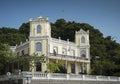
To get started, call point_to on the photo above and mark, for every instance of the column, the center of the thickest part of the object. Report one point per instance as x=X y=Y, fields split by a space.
x=68 y=67
x=76 y=68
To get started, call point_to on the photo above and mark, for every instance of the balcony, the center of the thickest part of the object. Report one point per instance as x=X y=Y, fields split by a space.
x=68 y=58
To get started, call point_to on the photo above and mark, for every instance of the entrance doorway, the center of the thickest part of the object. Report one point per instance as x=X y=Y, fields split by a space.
x=38 y=66
x=72 y=68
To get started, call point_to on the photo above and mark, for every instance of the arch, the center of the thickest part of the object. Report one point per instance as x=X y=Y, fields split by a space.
x=82 y=39
x=38 y=29
x=38 y=46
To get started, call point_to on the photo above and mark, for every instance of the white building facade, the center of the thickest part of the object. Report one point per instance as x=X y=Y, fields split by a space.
x=75 y=56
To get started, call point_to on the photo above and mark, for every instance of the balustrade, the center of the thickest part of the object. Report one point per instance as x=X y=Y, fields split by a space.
x=67 y=57
x=39 y=75
x=58 y=76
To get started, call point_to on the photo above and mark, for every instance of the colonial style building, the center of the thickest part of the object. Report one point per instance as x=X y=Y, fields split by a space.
x=75 y=56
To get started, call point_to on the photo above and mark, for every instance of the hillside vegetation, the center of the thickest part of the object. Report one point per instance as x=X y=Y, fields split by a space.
x=104 y=51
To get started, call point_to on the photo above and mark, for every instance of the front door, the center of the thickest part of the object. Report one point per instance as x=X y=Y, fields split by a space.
x=72 y=68
x=38 y=66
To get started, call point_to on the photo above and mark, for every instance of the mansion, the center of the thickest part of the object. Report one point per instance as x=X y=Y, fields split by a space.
x=74 y=55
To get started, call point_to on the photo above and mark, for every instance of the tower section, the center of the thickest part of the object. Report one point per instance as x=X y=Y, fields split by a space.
x=82 y=38
x=82 y=42
x=40 y=27
x=40 y=33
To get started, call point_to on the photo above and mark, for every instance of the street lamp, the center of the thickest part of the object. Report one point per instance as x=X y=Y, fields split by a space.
x=28 y=78
x=9 y=75
x=28 y=81
x=19 y=72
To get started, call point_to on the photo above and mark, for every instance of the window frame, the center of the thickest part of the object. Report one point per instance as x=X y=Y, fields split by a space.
x=64 y=51
x=38 y=47
x=38 y=29
x=55 y=50
x=82 y=39
x=72 y=53
x=83 y=53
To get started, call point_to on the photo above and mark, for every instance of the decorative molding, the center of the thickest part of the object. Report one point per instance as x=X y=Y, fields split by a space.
x=81 y=31
x=39 y=19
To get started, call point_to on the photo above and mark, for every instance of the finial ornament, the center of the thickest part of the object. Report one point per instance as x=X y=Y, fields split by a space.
x=40 y=17
x=30 y=19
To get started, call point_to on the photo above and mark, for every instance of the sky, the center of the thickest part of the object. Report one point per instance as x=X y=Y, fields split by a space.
x=101 y=14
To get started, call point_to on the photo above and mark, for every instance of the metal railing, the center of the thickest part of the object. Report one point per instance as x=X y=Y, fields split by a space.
x=13 y=76
x=3 y=77
x=58 y=76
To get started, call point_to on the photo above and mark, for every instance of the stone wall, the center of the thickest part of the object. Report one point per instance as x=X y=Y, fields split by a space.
x=20 y=81
x=51 y=81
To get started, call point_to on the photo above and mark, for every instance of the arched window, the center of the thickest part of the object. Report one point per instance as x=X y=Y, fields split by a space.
x=38 y=46
x=38 y=29
x=55 y=51
x=72 y=52
x=83 y=53
x=82 y=39
x=64 y=51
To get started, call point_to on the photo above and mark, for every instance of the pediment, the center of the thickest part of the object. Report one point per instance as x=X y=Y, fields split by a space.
x=81 y=31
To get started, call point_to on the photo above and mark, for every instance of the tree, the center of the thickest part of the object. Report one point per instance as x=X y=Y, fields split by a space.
x=11 y=36
x=6 y=58
x=25 y=29
x=34 y=59
x=52 y=67
x=56 y=67
x=28 y=62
